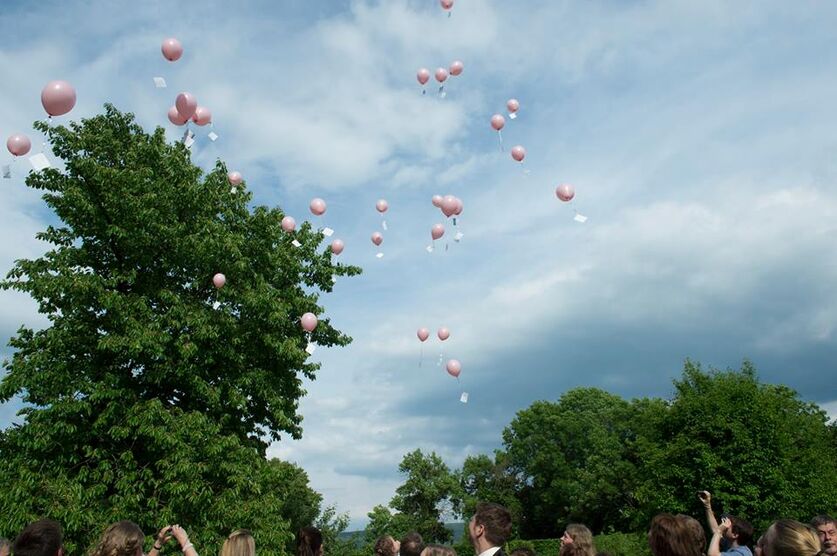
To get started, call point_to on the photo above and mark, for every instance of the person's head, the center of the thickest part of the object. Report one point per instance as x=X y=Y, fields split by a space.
x=490 y=526
x=827 y=532
x=386 y=546
x=698 y=535
x=522 y=551
x=5 y=547
x=577 y=539
x=309 y=542
x=787 y=537
x=438 y=550
x=41 y=538
x=412 y=544
x=239 y=543
x=740 y=533
x=123 y=538
x=671 y=535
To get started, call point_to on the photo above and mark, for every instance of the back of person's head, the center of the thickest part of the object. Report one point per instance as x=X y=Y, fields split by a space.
x=671 y=535
x=438 y=550
x=385 y=546
x=522 y=551
x=822 y=519
x=696 y=531
x=123 y=538
x=41 y=538
x=496 y=520
x=309 y=542
x=582 y=540
x=412 y=544
x=742 y=529
x=239 y=543
x=787 y=537
x=5 y=547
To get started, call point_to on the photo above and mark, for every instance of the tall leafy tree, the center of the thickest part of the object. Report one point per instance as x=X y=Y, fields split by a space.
x=151 y=395
x=483 y=479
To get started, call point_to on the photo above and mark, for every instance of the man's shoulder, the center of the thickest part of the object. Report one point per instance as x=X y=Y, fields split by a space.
x=738 y=551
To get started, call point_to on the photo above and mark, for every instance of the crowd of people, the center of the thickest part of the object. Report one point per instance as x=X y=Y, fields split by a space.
x=488 y=531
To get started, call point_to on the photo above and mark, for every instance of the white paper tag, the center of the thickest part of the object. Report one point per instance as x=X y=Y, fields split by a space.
x=216 y=305
x=512 y=115
x=464 y=397
x=233 y=190
x=429 y=248
x=311 y=348
x=580 y=218
x=328 y=232
x=458 y=237
x=159 y=82
x=39 y=162
x=295 y=243
x=380 y=255
x=334 y=279
x=189 y=141
x=7 y=171
x=213 y=136
x=384 y=225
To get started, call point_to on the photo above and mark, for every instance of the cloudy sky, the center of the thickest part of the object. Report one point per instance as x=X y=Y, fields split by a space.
x=699 y=137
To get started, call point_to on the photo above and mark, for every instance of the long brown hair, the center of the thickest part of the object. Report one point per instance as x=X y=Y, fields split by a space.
x=671 y=535
x=385 y=546
x=123 y=538
x=309 y=541
x=239 y=543
x=582 y=540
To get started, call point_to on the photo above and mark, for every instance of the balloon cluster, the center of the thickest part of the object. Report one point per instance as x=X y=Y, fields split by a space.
x=441 y=74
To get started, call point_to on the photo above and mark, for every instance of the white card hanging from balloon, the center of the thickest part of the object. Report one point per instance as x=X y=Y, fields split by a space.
x=429 y=248
x=328 y=232
x=216 y=305
x=580 y=218
x=512 y=116
x=464 y=397
x=39 y=162
x=188 y=138
x=310 y=348
x=233 y=190
x=296 y=243
x=384 y=225
x=213 y=136
x=7 y=171
x=159 y=82
x=458 y=237
x=380 y=255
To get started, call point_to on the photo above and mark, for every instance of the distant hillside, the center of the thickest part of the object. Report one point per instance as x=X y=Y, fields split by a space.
x=458 y=529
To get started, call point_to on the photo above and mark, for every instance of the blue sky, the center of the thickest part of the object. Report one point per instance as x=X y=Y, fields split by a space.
x=699 y=137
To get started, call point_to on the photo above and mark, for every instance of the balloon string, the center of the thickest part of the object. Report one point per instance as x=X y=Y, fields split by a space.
x=421 y=355
x=500 y=139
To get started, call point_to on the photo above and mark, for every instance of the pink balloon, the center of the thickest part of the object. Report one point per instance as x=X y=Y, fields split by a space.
x=202 y=115
x=337 y=246
x=423 y=75
x=234 y=178
x=456 y=67
x=443 y=333
x=58 y=98
x=441 y=75
x=377 y=238
x=423 y=334
x=382 y=206
x=317 y=206
x=498 y=122
x=288 y=224
x=454 y=367
x=18 y=144
x=437 y=201
x=437 y=231
x=175 y=117
x=512 y=105
x=459 y=207
x=219 y=280
x=186 y=105
x=449 y=205
x=446 y=4
x=518 y=153
x=172 y=49
x=565 y=192
x=309 y=322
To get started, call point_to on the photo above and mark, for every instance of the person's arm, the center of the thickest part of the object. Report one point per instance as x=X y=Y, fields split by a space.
x=160 y=540
x=706 y=498
x=715 y=543
x=187 y=547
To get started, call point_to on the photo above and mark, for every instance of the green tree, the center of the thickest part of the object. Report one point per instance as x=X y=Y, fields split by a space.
x=482 y=479
x=762 y=451
x=429 y=492
x=151 y=395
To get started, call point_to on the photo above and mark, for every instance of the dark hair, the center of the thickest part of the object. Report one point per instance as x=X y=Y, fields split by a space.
x=671 y=535
x=385 y=546
x=822 y=519
x=522 y=551
x=309 y=540
x=439 y=550
x=412 y=544
x=41 y=538
x=696 y=530
x=743 y=529
x=496 y=520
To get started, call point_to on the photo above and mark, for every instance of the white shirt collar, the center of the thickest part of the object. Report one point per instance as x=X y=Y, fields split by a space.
x=490 y=551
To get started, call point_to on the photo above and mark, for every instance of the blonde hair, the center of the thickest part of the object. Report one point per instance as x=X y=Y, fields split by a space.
x=239 y=543
x=582 y=540
x=787 y=537
x=123 y=538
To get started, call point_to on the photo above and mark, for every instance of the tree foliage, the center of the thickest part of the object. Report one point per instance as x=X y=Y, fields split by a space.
x=151 y=395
